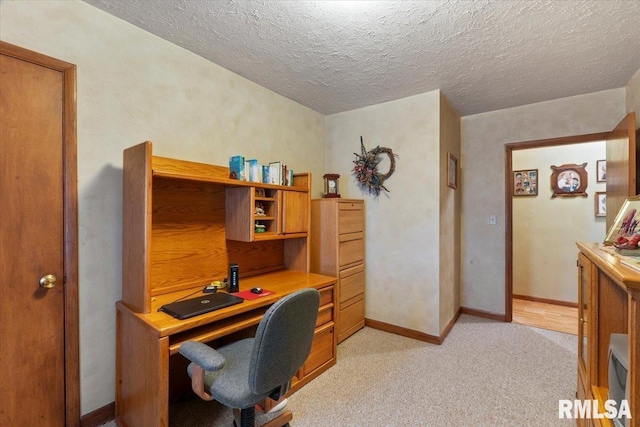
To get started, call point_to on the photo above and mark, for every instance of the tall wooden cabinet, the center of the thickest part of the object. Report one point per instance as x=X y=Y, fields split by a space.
x=337 y=249
x=608 y=302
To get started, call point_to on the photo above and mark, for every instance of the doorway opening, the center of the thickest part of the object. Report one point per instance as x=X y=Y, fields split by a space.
x=551 y=310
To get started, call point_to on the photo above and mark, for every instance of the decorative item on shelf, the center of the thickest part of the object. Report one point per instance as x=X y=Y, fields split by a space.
x=628 y=252
x=259 y=228
x=569 y=180
x=331 y=185
x=260 y=192
x=625 y=225
x=627 y=244
x=525 y=182
x=259 y=209
x=236 y=168
x=366 y=169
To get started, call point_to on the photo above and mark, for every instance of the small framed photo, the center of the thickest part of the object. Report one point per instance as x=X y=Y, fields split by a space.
x=525 y=182
x=452 y=171
x=601 y=171
x=569 y=180
x=601 y=203
x=626 y=222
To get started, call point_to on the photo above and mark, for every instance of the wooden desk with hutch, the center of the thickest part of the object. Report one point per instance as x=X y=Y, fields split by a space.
x=608 y=302
x=183 y=223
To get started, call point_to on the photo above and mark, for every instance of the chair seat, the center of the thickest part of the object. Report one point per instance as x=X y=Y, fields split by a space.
x=230 y=385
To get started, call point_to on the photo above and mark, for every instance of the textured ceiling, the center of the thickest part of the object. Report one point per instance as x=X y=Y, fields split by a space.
x=335 y=56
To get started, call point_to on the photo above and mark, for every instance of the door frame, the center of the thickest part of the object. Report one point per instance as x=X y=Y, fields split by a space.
x=70 y=212
x=509 y=149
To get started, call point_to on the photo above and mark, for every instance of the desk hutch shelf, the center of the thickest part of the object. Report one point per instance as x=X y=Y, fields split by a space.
x=183 y=223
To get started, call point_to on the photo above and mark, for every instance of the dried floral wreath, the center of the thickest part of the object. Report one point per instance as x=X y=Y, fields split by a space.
x=366 y=169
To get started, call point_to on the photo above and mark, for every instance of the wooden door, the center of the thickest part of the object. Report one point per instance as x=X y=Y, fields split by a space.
x=38 y=261
x=295 y=215
x=622 y=169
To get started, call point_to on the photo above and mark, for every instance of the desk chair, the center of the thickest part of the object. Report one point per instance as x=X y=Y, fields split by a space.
x=246 y=372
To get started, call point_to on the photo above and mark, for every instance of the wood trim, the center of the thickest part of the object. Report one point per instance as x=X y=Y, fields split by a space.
x=99 y=416
x=70 y=189
x=547 y=301
x=410 y=333
x=484 y=314
x=447 y=329
x=509 y=148
x=399 y=330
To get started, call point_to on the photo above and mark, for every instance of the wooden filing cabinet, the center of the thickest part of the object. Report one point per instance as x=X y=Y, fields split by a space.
x=337 y=249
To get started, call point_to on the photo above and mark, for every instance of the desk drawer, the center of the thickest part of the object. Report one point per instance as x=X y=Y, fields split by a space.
x=322 y=350
x=325 y=315
x=350 y=218
x=351 y=250
x=351 y=282
x=351 y=317
x=326 y=295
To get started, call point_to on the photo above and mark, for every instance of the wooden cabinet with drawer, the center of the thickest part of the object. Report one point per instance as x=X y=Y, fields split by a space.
x=337 y=249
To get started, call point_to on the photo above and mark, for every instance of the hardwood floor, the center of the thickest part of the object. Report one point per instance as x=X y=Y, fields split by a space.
x=546 y=316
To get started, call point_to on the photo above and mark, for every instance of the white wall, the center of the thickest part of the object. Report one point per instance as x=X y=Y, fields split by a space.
x=545 y=229
x=483 y=165
x=132 y=87
x=402 y=227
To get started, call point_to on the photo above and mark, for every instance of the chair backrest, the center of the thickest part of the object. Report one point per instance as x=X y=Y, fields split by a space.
x=283 y=340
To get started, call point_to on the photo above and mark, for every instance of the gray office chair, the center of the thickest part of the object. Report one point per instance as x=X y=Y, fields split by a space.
x=246 y=372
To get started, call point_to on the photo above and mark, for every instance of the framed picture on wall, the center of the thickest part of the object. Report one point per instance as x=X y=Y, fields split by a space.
x=601 y=171
x=452 y=171
x=601 y=203
x=525 y=182
x=569 y=180
x=625 y=225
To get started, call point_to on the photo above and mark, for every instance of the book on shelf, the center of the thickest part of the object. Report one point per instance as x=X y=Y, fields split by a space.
x=236 y=168
x=275 y=173
x=284 y=176
x=265 y=174
x=252 y=170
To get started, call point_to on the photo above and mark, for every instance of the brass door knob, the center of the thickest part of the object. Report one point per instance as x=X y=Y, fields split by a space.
x=48 y=281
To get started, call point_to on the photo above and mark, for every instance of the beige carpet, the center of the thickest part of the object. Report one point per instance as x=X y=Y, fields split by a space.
x=485 y=374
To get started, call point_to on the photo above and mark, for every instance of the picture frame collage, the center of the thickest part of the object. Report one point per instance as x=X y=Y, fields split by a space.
x=567 y=180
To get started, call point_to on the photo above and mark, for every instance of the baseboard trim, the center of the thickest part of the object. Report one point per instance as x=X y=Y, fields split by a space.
x=99 y=416
x=399 y=330
x=546 y=300
x=483 y=314
x=411 y=333
x=447 y=329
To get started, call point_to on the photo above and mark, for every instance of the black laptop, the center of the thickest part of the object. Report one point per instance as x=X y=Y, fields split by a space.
x=201 y=305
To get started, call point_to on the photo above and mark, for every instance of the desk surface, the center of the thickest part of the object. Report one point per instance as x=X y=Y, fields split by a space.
x=281 y=282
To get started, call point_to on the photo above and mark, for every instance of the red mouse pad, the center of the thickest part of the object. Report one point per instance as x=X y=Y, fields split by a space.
x=248 y=295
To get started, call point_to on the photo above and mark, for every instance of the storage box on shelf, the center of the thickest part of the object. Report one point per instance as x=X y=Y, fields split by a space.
x=183 y=222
